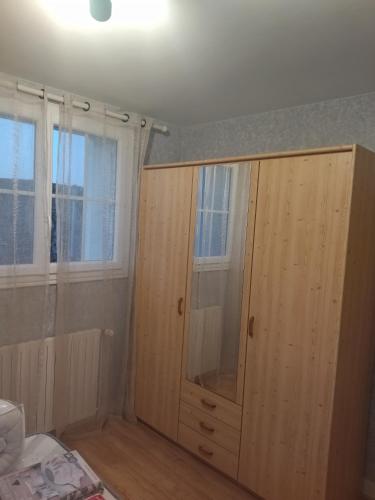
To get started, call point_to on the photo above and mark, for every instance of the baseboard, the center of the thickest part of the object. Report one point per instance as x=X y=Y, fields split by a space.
x=369 y=489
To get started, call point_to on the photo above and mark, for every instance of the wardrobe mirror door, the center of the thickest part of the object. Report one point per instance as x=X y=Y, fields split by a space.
x=217 y=277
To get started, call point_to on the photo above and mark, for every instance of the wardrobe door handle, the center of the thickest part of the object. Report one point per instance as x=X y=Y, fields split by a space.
x=203 y=451
x=206 y=428
x=179 y=306
x=207 y=404
x=250 y=327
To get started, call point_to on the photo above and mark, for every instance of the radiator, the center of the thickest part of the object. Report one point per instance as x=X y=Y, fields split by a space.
x=30 y=366
x=83 y=371
x=206 y=326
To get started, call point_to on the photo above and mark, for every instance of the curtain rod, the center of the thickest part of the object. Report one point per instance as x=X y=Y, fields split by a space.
x=85 y=106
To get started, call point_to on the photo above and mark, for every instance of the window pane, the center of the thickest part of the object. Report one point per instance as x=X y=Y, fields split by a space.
x=219 y=235
x=202 y=234
x=70 y=231
x=206 y=183
x=99 y=231
x=101 y=158
x=68 y=162
x=75 y=229
x=222 y=188
x=17 y=154
x=89 y=232
x=199 y=250
x=16 y=229
x=53 y=232
x=90 y=172
x=211 y=234
x=213 y=211
x=214 y=188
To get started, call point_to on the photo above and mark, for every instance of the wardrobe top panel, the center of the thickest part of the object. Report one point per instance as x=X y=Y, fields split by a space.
x=261 y=156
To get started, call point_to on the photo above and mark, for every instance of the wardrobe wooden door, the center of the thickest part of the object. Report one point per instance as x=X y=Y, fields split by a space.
x=165 y=207
x=296 y=292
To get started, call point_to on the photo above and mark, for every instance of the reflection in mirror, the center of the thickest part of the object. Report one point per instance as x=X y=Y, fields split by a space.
x=217 y=282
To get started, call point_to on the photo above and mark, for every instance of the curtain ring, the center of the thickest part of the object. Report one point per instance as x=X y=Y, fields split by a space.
x=127 y=118
x=88 y=106
x=43 y=95
x=143 y=123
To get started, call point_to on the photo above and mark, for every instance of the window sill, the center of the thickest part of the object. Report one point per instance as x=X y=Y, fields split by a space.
x=215 y=265
x=24 y=280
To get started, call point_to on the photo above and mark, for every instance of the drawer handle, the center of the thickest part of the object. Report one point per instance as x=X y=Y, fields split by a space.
x=203 y=451
x=206 y=428
x=207 y=404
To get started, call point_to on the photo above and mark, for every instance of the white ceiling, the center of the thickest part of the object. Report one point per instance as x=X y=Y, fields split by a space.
x=213 y=59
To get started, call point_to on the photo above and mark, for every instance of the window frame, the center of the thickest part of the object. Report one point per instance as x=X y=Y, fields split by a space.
x=82 y=271
x=42 y=271
x=36 y=270
x=220 y=262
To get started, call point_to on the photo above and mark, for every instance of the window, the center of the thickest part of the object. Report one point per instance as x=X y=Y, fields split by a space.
x=87 y=195
x=213 y=219
x=17 y=191
x=93 y=194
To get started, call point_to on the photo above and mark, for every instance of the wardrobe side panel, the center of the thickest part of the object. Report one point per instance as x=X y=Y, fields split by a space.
x=356 y=348
x=160 y=294
x=300 y=240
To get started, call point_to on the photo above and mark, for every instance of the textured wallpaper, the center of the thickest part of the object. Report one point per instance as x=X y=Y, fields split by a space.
x=339 y=121
x=164 y=148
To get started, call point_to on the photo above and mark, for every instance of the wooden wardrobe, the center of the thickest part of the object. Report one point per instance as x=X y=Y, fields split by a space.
x=289 y=420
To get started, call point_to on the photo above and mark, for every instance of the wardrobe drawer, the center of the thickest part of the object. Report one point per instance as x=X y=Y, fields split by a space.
x=208 y=451
x=211 y=428
x=228 y=412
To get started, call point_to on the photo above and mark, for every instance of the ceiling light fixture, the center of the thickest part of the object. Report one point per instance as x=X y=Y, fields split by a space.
x=119 y=14
x=101 y=10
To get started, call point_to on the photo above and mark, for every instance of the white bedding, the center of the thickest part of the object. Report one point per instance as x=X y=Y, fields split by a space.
x=12 y=434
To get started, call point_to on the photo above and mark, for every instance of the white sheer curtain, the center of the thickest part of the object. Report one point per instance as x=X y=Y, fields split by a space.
x=98 y=161
x=24 y=246
x=69 y=182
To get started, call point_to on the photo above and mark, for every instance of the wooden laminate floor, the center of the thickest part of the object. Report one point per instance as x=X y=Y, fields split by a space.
x=141 y=465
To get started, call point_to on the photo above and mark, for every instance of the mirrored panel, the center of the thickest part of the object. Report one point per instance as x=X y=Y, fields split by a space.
x=217 y=281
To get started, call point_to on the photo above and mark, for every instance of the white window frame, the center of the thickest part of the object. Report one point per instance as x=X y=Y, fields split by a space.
x=221 y=262
x=83 y=271
x=42 y=271
x=25 y=273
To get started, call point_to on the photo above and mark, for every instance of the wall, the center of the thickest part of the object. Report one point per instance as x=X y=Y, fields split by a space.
x=164 y=148
x=339 y=121
x=90 y=304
